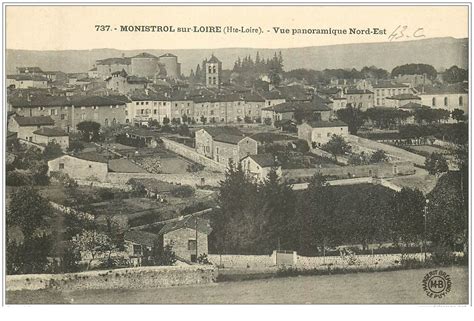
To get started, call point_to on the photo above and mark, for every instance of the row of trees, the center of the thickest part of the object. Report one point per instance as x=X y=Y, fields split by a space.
x=260 y=217
x=390 y=118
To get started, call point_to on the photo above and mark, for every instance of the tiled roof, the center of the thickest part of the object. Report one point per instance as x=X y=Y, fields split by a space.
x=50 y=132
x=137 y=80
x=266 y=137
x=229 y=139
x=322 y=124
x=294 y=106
x=404 y=97
x=91 y=156
x=168 y=55
x=459 y=88
x=215 y=131
x=389 y=84
x=77 y=101
x=140 y=237
x=358 y=91
x=253 y=97
x=144 y=55
x=34 y=121
x=264 y=160
x=412 y=105
x=214 y=59
x=28 y=76
x=202 y=225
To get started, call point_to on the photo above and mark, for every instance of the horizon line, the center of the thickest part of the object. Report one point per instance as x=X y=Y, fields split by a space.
x=254 y=48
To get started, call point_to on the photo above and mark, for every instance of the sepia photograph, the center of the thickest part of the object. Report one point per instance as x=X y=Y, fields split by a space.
x=236 y=154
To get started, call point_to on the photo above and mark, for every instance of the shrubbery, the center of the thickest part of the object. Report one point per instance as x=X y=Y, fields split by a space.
x=183 y=191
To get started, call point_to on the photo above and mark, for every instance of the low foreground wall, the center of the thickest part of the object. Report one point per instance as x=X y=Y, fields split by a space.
x=130 y=278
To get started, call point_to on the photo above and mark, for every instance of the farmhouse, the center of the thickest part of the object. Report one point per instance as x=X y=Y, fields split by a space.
x=85 y=166
x=188 y=237
x=258 y=166
x=320 y=132
x=26 y=126
x=46 y=135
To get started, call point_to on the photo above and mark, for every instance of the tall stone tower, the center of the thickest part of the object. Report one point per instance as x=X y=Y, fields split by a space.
x=213 y=71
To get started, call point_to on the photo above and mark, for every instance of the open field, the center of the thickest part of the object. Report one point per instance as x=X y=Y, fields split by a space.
x=377 y=288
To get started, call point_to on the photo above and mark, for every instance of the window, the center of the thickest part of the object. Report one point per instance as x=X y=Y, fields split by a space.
x=63 y=116
x=445 y=101
x=61 y=165
x=460 y=101
x=90 y=166
x=137 y=249
x=433 y=101
x=192 y=245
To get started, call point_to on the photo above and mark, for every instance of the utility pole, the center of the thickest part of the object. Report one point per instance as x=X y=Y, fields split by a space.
x=196 y=228
x=425 y=236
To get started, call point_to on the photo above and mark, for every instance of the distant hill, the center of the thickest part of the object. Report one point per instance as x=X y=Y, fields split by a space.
x=439 y=52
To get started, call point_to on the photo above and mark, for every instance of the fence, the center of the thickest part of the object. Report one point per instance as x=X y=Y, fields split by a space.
x=193 y=179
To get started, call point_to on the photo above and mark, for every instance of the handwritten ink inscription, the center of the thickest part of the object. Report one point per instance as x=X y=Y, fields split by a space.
x=404 y=32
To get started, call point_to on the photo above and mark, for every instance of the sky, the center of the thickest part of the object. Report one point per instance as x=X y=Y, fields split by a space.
x=73 y=27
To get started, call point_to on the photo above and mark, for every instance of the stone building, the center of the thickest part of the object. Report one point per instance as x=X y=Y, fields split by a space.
x=46 y=135
x=25 y=126
x=320 y=132
x=85 y=166
x=213 y=72
x=259 y=166
x=205 y=138
x=106 y=67
x=171 y=65
x=188 y=237
x=144 y=65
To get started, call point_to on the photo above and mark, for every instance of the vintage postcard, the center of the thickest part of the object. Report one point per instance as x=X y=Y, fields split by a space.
x=236 y=154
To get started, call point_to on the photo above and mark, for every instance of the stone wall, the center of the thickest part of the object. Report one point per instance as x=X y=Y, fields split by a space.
x=242 y=261
x=191 y=154
x=391 y=150
x=316 y=262
x=193 y=179
x=352 y=171
x=129 y=278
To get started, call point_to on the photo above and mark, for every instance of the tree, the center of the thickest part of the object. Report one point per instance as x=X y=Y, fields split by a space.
x=458 y=115
x=185 y=118
x=415 y=69
x=203 y=120
x=455 y=75
x=337 y=146
x=352 y=116
x=436 y=164
x=52 y=150
x=28 y=210
x=75 y=146
x=89 y=130
x=379 y=156
x=92 y=244
x=447 y=212
x=407 y=223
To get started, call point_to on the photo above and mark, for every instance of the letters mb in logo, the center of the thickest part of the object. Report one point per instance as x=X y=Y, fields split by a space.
x=437 y=284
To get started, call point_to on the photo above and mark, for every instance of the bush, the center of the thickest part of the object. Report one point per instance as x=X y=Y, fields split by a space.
x=106 y=194
x=17 y=178
x=183 y=191
x=195 y=167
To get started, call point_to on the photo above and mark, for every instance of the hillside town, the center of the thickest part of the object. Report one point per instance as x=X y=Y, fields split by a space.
x=137 y=162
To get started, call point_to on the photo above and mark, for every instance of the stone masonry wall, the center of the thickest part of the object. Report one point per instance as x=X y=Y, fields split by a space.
x=191 y=154
x=128 y=278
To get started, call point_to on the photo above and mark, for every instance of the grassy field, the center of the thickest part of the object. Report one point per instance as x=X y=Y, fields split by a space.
x=376 y=288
